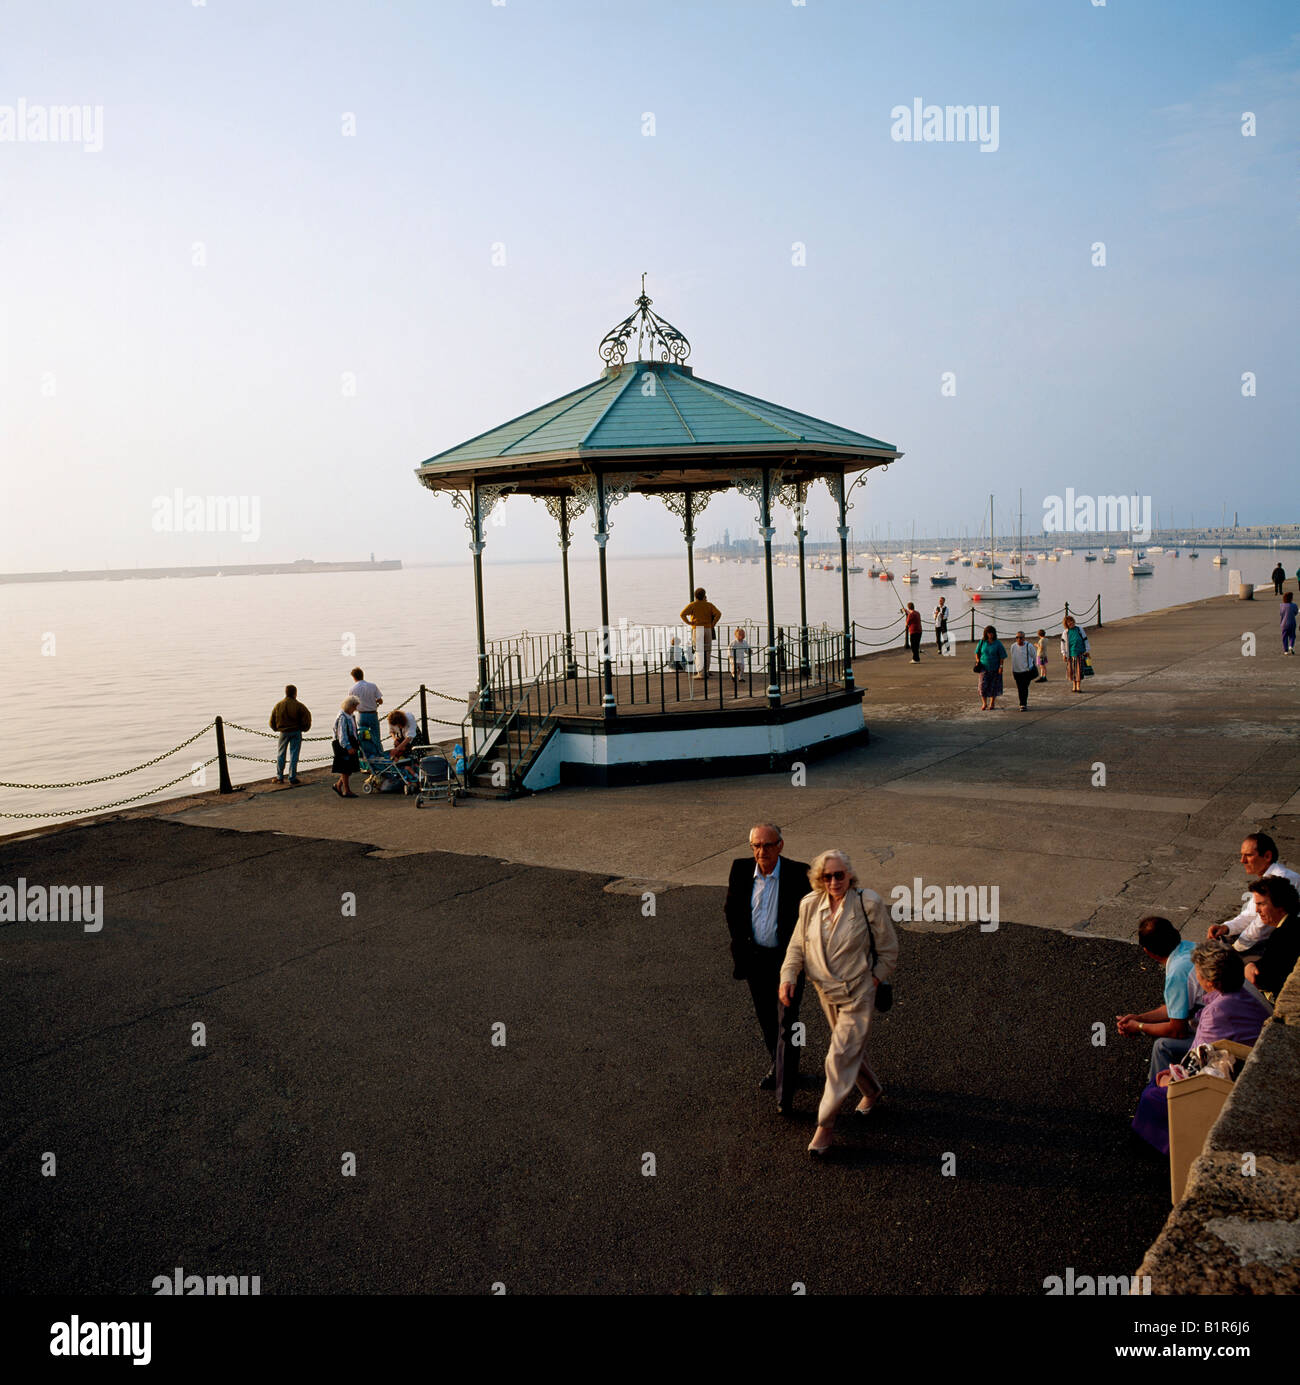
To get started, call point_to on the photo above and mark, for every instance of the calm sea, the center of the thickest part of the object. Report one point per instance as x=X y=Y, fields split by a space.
x=109 y=674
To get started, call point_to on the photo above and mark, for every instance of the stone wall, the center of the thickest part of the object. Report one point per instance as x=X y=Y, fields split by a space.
x=1237 y=1232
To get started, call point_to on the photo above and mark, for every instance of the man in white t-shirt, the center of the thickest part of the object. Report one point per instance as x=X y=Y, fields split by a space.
x=369 y=700
x=1259 y=856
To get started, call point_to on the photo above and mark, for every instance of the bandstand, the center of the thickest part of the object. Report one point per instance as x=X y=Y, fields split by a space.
x=615 y=705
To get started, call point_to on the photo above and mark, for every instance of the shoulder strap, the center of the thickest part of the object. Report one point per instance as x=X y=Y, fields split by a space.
x=871 y=932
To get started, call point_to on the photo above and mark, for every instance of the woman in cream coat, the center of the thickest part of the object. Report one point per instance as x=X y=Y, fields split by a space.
x=832 y=943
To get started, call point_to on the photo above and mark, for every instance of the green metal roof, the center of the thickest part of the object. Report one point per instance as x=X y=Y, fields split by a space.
x=645 y=408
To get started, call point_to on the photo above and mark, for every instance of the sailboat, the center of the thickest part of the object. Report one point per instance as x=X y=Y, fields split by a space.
x=910 y=575
x=1014 y=588
x=1107 y=556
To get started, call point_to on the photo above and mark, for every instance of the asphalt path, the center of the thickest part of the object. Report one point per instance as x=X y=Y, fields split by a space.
x=1000 y=1158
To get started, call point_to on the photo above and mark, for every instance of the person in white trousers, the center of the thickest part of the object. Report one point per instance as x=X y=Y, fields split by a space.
x=832 y=943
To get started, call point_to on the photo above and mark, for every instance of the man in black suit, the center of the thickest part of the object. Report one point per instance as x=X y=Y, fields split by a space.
x=762 y=908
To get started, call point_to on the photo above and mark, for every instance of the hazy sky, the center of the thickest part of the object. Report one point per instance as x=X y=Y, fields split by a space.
x=276 y=277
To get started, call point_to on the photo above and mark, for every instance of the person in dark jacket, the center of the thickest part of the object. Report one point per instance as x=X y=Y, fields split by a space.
x=1278 y=906
x=1279 y=576
x=763 y=895
x=292 y=720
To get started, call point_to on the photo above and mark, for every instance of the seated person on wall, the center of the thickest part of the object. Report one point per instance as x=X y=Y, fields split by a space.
x=1233 y=1010
x=1278 y=903
x=1170 y=1024
x=1259 y=856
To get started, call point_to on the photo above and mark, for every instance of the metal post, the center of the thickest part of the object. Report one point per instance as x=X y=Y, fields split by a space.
x=570 y=666
x=800 y=533
x=972 y=624
x=476 y=548
x=1098 y=610
x=222 y=766
x=608 y=707
x=1067 y=612
x=424 y=716
x=688 y=510
x=844 y=579
x=767 y=529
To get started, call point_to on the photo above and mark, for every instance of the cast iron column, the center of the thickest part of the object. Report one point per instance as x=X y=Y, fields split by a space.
x=570 y=664
x=608 y=706
x=690 y=548
x=800 y=533
x=773 y=679
x=476 y=548
x=844 y=582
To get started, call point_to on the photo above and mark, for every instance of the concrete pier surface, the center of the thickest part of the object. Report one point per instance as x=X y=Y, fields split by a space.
x=1197 y=740
x=546 y=1081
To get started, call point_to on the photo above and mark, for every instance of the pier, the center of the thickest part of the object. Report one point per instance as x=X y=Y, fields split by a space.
x=366 y=1027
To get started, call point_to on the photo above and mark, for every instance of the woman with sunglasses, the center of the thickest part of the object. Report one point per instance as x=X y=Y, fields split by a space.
x=833 y=942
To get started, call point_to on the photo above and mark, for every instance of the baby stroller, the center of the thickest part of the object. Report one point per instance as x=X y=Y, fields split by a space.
x=382 y=774
x=439 y=778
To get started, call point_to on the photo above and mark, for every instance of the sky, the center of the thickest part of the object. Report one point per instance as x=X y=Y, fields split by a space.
x=297 y=248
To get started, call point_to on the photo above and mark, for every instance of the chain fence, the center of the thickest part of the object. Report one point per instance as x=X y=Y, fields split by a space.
x=224 y=755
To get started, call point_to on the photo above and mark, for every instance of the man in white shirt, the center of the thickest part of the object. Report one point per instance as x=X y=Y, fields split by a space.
x=941 y=622
x=1259 y=856
x=369 y=700
x=1024 y=667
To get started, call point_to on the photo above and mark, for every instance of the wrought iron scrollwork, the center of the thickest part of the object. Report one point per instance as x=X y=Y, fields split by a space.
x=686 y=505
x=575 y=506
x=649 y=326
x=616 y=489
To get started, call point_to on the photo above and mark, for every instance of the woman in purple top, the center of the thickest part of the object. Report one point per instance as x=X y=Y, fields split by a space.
x=1232 y=1010
x=1288 y=624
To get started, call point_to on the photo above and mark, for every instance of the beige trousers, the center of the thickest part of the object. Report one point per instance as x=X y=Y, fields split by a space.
x=846 y=1063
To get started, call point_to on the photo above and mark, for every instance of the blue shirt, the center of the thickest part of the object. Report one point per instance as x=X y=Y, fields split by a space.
x=1182 y=990
x=767 y=890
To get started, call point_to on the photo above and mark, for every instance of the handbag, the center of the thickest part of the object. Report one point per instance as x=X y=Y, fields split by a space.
x=884 y=989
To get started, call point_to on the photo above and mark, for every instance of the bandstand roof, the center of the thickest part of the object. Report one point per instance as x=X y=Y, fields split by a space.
x=678 y=431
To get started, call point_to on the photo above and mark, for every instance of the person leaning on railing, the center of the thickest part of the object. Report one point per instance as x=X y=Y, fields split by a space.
x=702 y=616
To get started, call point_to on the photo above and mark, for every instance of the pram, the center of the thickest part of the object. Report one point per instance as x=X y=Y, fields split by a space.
x=382 y=774
x=438 y=778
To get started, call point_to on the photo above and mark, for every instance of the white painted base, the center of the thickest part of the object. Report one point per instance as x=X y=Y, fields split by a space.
x=714 y=743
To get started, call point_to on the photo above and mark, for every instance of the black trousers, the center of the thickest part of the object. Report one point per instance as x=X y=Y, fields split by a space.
x=1023 y=680
x=915 y=641
x=763 y=972
x=939 y=632
x=1277 y=587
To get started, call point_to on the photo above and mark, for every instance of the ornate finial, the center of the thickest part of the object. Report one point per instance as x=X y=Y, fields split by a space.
x=648 y=325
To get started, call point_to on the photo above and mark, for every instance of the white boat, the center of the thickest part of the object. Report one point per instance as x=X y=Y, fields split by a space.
x=1139 y=567
x=1218 y=560
x=1053 y=557
x=1067 y=553
x=910 y=576
x=1012 y=588
x=1030 y=560
x=1156 y=549
x=1107 y=556
x=1124 y=552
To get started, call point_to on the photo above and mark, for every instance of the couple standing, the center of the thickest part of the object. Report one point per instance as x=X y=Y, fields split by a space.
x=839 y=936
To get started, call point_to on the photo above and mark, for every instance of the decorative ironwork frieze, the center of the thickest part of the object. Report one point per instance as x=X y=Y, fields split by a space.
x=616 y=488
x=688 y=505
x=650 y=328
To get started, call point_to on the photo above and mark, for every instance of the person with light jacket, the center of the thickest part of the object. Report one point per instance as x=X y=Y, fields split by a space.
x=840 y=927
